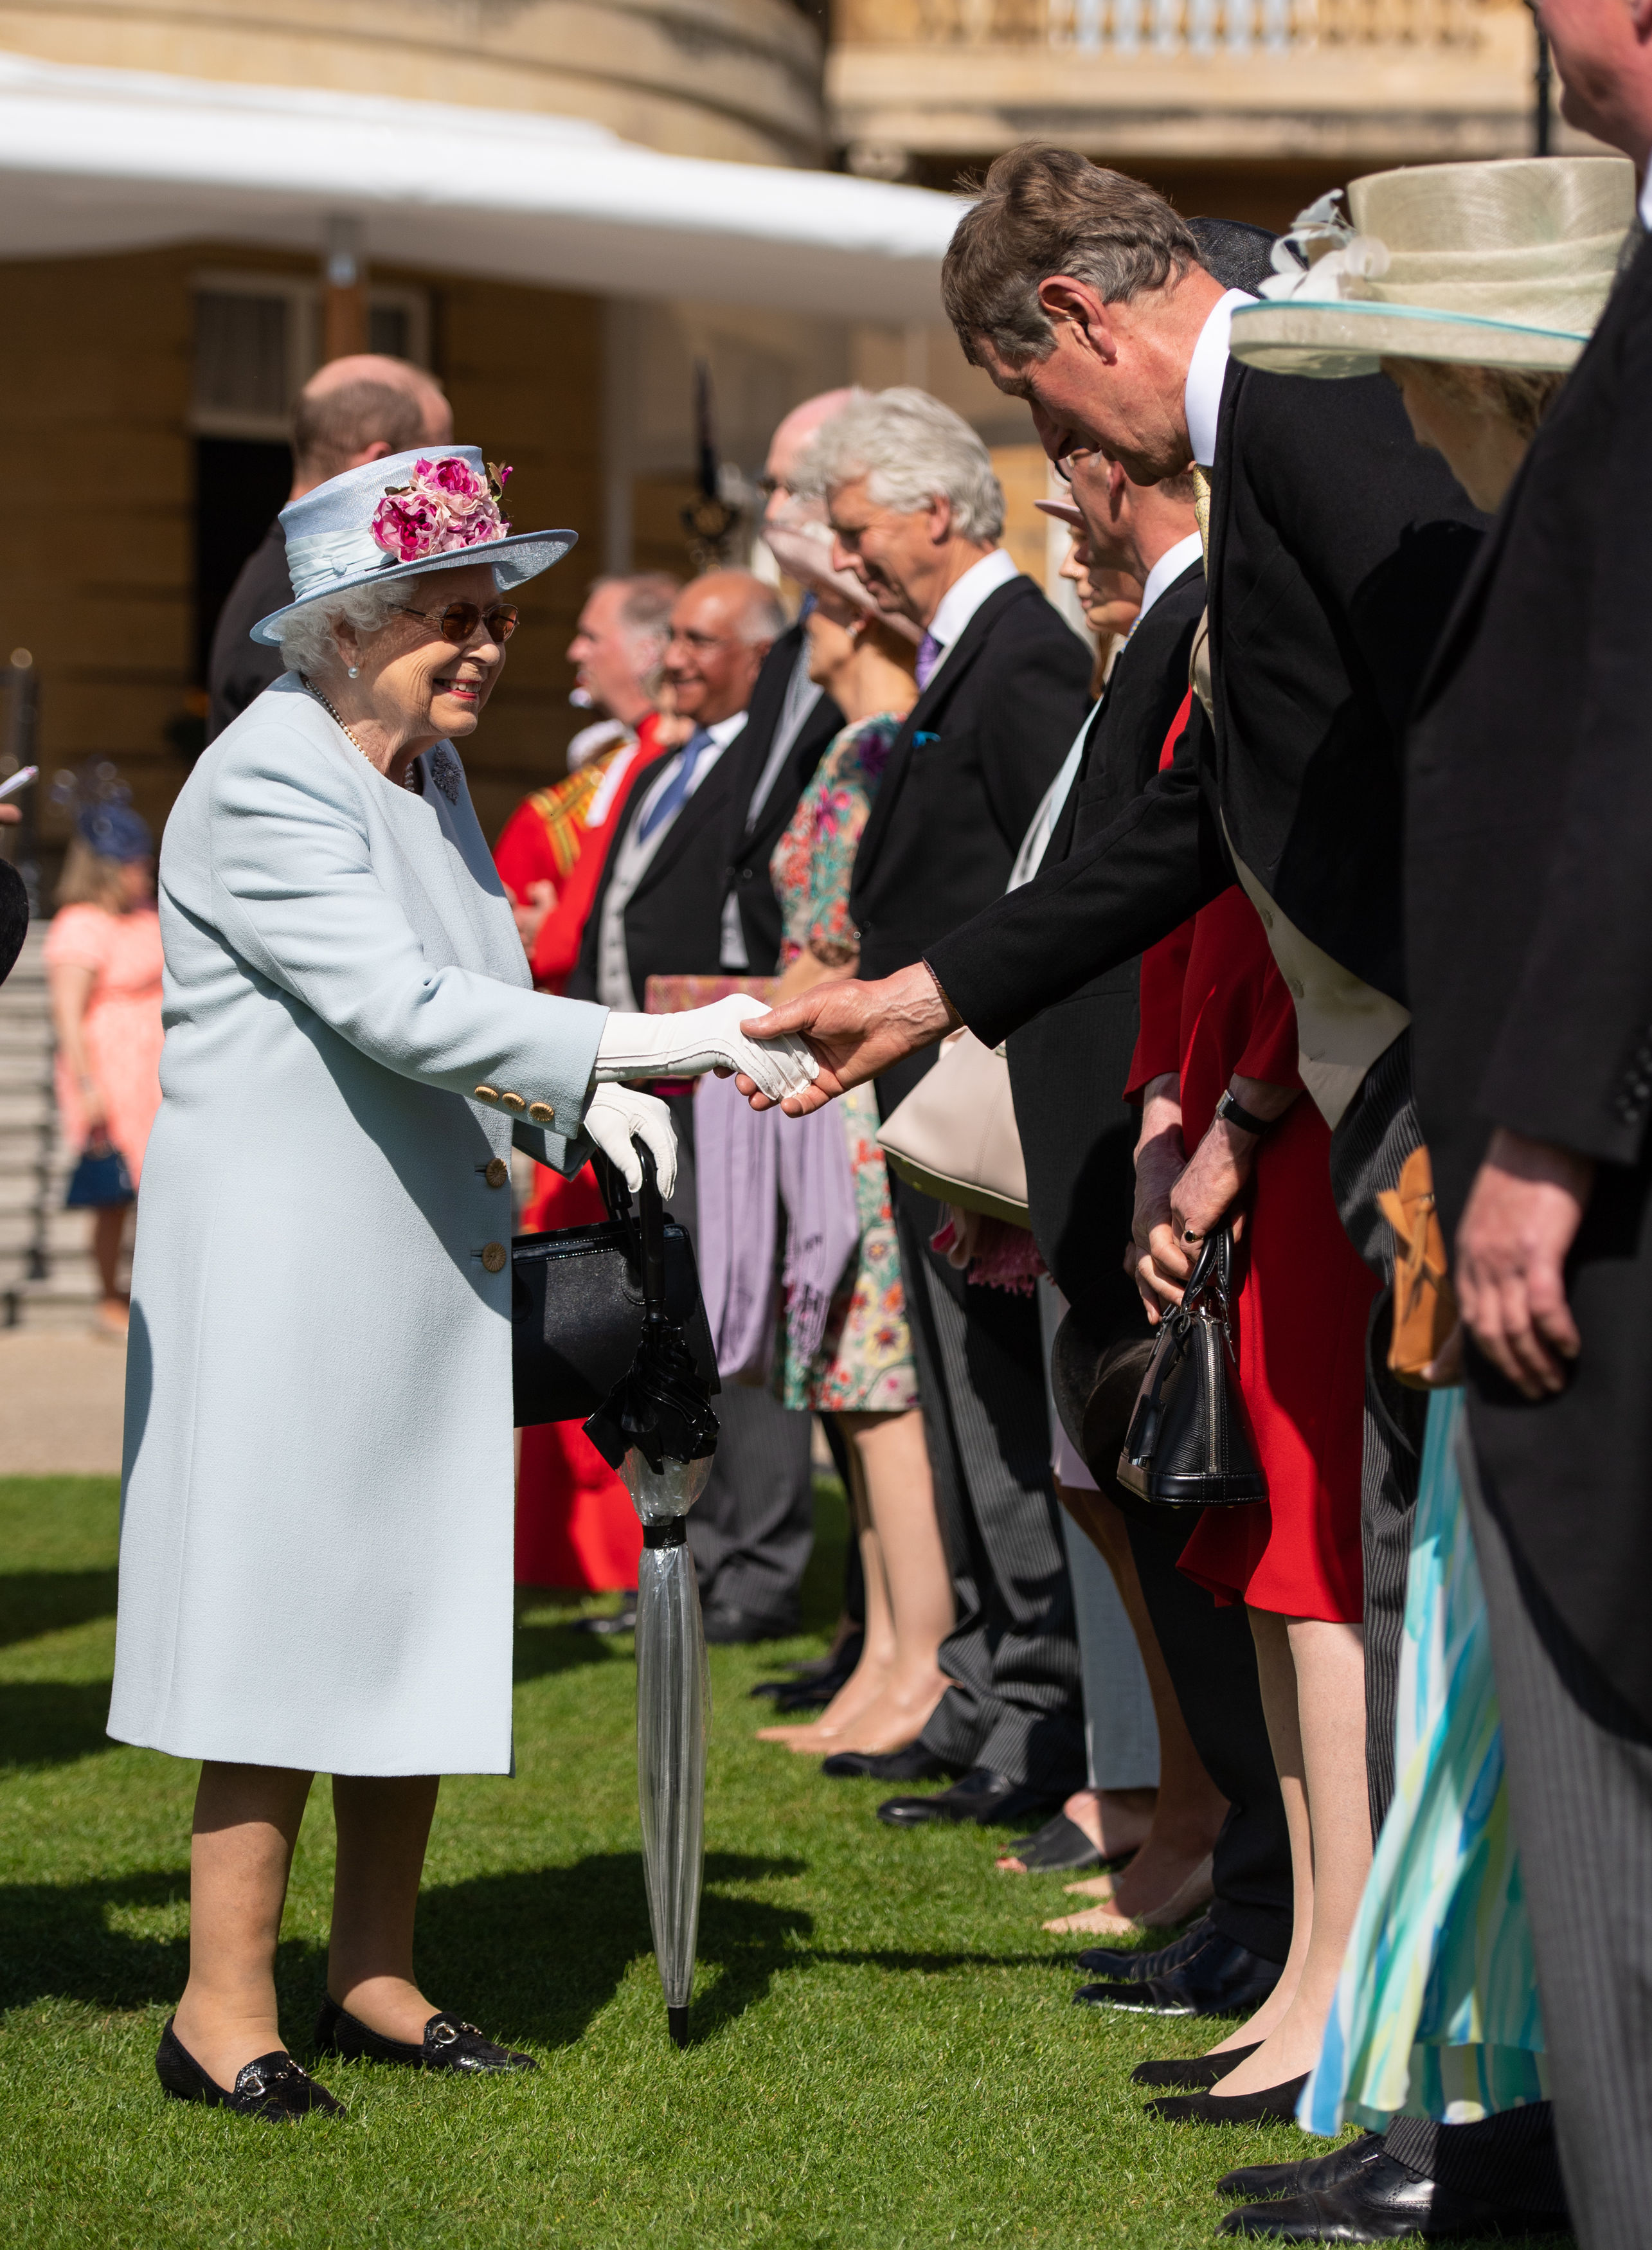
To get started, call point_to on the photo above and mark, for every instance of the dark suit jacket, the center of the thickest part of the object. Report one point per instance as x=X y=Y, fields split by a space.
x=1529 y=873
x=1337 y=545
x=748 y=855
x=673 y=924
x=965 y=777
x=241 y=668
x=1068 y=1067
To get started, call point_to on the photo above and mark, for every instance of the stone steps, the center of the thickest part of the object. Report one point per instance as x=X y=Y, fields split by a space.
x=47 y=1278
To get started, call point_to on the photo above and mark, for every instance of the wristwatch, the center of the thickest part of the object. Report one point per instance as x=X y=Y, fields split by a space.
x=1230 y=1111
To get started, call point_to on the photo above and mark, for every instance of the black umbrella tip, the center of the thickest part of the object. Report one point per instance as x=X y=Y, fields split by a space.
x=677 y=2023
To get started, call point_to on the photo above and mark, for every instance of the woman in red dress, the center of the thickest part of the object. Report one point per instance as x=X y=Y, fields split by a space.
x=1216 y=1018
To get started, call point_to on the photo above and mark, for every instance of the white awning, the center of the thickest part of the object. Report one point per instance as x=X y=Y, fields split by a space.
x=104 y=160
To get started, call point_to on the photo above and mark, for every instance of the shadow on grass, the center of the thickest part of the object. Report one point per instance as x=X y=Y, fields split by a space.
x=53 y=1721
x=33 y=1602
x=535 y=1954
x=542 y=1648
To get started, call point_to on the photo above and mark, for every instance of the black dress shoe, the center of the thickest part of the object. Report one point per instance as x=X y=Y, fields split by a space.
x=1136 y=1968
x=913 y=1762
x=1220 y=1978
x=989 y=1799
x=1271 y=2103
x=811 y=1673
x=1198 y=2073
x=271 y=2085
x=447 y=2044
x=1060 y=1848
x=729 y=1627
x=1381 y=2202
x=1262 y=2183
x=611 y=1621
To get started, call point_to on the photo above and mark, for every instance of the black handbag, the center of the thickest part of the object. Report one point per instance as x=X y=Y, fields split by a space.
x=1188 y=1444
x=100 y=1180
x=576 y=1309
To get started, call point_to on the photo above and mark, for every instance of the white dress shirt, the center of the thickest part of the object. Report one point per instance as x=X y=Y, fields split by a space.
x=965 y=596
x=1166 y=572
x=1207 y=372
x=633 y=860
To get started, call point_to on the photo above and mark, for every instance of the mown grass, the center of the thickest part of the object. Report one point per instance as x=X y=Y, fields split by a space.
x=884 y=2049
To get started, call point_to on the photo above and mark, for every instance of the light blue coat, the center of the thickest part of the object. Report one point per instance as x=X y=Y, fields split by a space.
x=317 y=1506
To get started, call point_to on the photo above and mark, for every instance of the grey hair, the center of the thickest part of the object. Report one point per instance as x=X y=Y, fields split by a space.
x=308 y=642
x=763 y=618
x=910 y=450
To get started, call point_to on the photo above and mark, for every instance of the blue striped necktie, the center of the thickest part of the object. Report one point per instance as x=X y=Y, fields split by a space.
x=674 y=796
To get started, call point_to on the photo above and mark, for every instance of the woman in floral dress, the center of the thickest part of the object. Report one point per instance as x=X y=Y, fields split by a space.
x=862 y=1367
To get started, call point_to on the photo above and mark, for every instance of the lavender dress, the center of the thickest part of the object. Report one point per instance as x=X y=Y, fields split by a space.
x=864 y=1364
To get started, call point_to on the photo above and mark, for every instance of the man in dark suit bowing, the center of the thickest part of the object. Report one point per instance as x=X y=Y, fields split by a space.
x=1528 y=870
x=1003 y=685
x=1335 y=548
x=658 y=912
x=791 y=719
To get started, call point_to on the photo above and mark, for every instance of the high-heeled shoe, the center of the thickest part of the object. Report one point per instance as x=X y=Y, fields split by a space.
x=271 y=2085
x=447 y=2044
x=1271 y=2103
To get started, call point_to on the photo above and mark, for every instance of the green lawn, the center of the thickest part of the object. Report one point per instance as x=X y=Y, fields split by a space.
x=885 y=2052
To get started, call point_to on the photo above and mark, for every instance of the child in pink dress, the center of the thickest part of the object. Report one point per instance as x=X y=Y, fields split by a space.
x=103 y=966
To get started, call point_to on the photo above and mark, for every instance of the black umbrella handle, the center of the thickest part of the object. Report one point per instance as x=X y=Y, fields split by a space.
x=651 y=1218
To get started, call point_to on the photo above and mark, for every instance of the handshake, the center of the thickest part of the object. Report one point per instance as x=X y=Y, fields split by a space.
x=699 y=1039
x=682 y=1046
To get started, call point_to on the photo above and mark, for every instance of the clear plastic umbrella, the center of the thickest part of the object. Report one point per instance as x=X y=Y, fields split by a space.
x=657 y=1429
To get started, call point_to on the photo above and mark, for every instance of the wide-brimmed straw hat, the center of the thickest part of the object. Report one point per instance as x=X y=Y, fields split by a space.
x=1501 y=265
x=437 y=508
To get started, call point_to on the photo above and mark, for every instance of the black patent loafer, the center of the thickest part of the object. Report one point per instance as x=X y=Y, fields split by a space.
x=1272 y=2104
x=271 y=2085
x=447 y=2045
x=1385 y=2201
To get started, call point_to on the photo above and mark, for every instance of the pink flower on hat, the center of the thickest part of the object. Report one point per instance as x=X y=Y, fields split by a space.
x=444 y=507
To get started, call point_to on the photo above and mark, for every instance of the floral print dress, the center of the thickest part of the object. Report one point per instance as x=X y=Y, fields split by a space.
x=864 y=1364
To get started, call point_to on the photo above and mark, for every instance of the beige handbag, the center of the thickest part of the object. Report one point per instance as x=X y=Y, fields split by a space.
x=955 y=1137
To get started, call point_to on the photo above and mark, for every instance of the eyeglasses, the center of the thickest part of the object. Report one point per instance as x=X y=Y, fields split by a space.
x=459 y=621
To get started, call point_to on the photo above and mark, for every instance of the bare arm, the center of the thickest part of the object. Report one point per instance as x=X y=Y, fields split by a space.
x=70 y=985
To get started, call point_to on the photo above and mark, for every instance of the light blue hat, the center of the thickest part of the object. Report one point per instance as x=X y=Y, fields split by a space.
x=437 y=508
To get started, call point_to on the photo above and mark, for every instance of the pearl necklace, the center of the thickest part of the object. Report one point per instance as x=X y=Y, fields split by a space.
x=409 y=780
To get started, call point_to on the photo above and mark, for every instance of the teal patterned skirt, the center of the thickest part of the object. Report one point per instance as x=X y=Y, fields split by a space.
x=1437 y=2012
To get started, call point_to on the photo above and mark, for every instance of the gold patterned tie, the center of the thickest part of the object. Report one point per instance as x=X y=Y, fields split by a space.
x=1201 y=507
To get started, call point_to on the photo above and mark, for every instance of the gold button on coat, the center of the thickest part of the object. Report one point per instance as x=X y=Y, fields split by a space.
x=511 y=1102
x=493 y=1257
x=487 y=1094
x=497 y=1172
x=540 y=1113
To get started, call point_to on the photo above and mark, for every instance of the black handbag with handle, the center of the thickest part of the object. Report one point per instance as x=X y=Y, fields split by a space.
x=1188 y=1444
x=577 y=1307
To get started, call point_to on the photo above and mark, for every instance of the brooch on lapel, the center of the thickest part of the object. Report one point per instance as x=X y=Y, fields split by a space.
x=445 y=772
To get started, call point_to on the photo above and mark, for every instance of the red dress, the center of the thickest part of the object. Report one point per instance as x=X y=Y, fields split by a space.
x=575 y=1522
x=1212 y=1002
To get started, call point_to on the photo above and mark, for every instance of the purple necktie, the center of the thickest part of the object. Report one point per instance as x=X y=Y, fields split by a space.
x=929 y=655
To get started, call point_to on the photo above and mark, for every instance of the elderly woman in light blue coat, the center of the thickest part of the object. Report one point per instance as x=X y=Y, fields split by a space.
x=316 y=1529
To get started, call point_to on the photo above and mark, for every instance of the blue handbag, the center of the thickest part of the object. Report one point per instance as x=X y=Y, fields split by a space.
x=100 y=1180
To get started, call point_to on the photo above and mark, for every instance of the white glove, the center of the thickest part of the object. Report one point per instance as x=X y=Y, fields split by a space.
x=615 y=1115
x=699 y=1039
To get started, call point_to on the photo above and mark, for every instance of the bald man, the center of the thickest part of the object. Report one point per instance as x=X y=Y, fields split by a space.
x=790 y=722
x=352 y=410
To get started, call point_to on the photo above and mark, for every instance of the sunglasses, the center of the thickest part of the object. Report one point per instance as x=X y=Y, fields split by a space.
x=459 y=621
